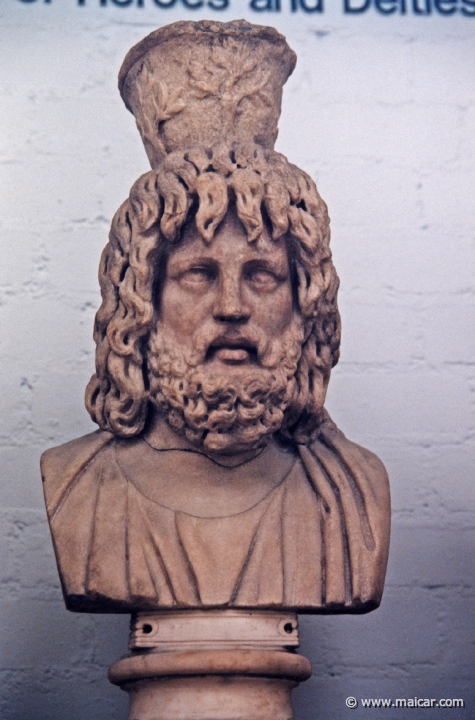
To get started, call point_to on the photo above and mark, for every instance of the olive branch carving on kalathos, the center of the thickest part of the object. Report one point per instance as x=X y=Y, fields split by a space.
x=213 y=75
x=158 y=104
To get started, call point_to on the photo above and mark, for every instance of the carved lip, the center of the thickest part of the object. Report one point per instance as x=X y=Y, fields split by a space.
x=234 y=350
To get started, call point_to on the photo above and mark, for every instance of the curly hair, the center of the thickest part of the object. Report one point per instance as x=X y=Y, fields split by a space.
x=264 y=187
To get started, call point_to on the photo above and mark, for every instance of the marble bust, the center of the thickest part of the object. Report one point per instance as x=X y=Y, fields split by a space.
x=216 y=479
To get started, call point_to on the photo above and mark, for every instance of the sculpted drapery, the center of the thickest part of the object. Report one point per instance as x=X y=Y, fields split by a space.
x=314 y=543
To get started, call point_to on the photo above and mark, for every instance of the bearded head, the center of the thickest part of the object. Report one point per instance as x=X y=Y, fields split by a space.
x=219 y=303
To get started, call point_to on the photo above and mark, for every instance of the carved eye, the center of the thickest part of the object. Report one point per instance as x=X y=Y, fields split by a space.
x=199 y=275
x=261 y=278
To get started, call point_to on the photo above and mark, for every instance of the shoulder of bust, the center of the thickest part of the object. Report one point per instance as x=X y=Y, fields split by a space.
x=354 y=487
x=61 y=465
x=354 y=457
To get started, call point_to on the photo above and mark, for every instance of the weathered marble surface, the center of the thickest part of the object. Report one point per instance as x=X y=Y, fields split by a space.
x=217 y=479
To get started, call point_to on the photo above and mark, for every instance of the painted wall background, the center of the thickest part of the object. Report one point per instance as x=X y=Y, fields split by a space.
x=381 y=112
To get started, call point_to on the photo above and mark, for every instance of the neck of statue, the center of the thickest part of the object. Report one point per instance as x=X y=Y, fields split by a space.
x=162 y=437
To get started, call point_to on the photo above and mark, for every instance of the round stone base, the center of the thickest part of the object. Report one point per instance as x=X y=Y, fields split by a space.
x=207 y=685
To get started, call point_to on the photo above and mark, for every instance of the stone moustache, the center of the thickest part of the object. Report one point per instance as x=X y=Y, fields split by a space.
x=217 y=479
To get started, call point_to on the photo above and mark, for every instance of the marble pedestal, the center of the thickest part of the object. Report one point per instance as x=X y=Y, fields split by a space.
x=211 y=665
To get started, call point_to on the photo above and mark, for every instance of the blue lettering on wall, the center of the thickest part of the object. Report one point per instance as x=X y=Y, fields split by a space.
x=162 y=4
x=421 y=8
x=416 y=7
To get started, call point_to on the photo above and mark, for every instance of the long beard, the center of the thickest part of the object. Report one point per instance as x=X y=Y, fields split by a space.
x=239 y=408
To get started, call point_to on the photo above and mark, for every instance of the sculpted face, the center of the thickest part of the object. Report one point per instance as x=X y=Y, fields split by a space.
x=235 y=294
x=228 y=339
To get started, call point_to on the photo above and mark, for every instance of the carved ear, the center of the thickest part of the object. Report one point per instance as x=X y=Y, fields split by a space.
x=310 y=289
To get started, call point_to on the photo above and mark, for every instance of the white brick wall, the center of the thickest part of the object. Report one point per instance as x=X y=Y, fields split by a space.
x=381 y=111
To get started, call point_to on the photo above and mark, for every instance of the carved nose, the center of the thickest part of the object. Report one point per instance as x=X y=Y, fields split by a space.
x=229 y=306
